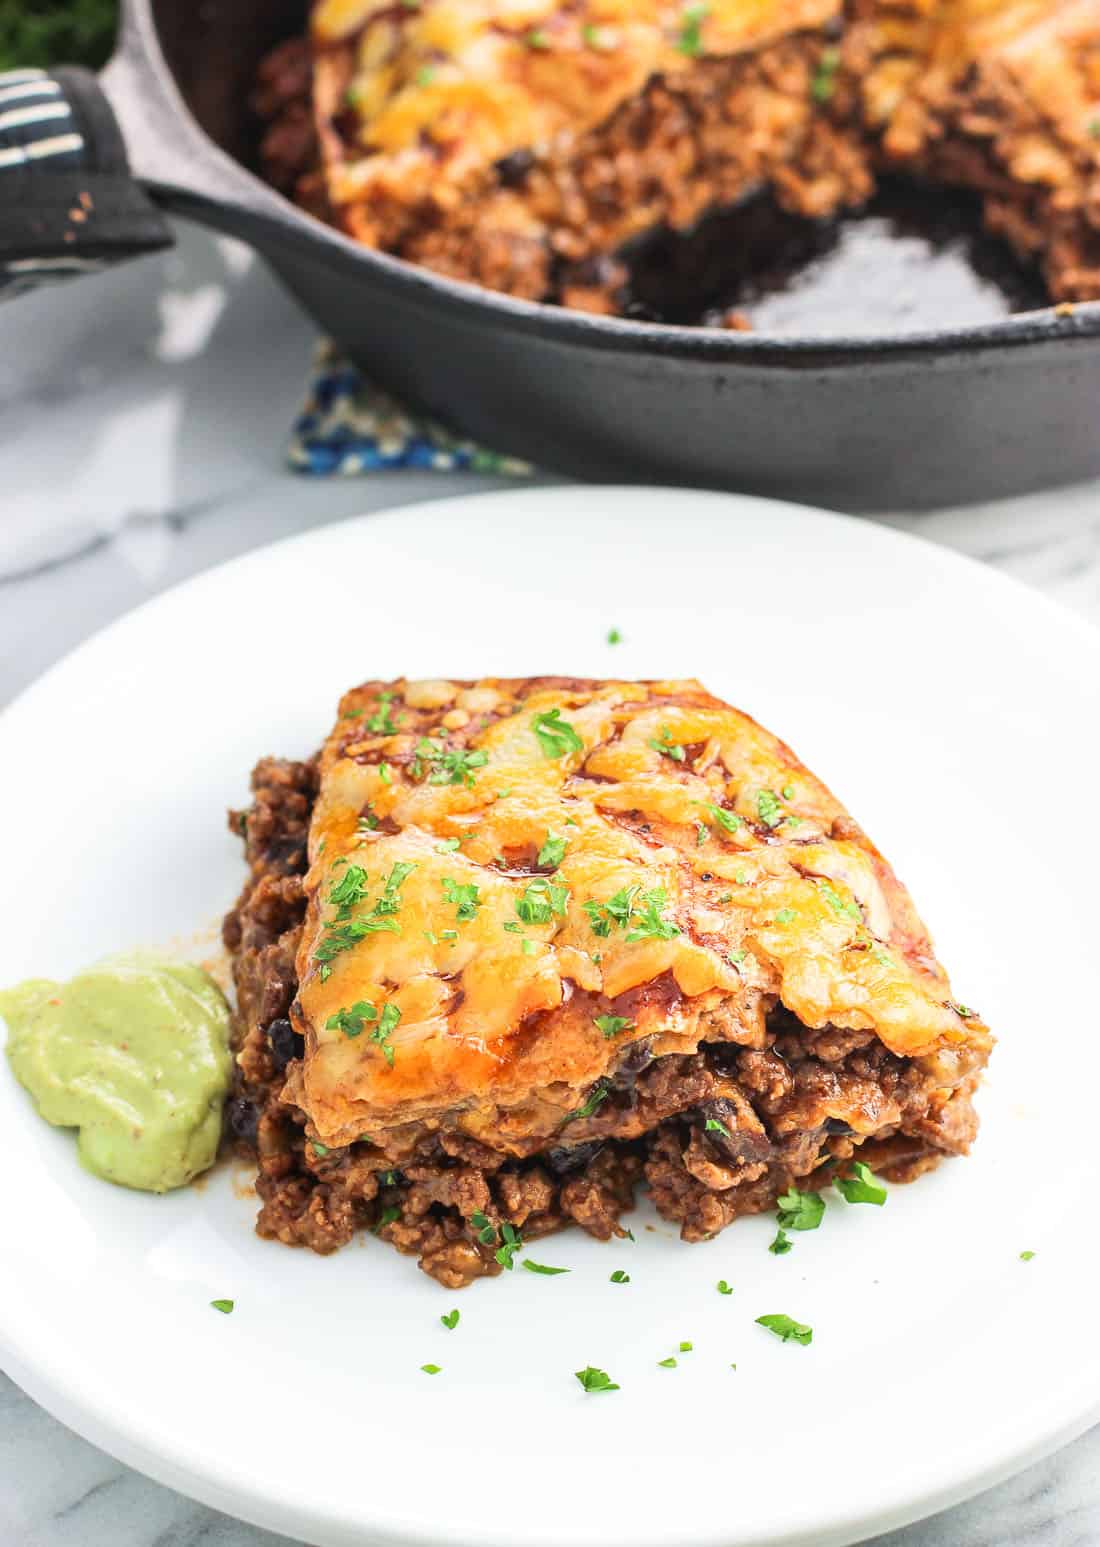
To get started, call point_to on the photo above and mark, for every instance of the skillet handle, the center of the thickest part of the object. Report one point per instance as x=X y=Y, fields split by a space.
x=68 y=204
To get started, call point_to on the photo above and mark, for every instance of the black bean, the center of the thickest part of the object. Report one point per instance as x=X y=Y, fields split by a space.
x=724 y=1057
x=567 y=1158
x=736 y=1144
x=242 y=1118
x=285 y=1043
x=512 y=170
x=638 y=1056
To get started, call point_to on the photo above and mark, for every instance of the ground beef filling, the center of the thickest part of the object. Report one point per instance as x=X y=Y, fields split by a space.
x=787 y=1113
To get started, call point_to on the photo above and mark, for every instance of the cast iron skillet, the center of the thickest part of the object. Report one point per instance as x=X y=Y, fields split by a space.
x=927 y=418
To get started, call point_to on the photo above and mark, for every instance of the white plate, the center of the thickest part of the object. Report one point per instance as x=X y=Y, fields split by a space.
x=953 y=711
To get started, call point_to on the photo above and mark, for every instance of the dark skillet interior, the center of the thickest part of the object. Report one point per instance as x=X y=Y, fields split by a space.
x=913 y=260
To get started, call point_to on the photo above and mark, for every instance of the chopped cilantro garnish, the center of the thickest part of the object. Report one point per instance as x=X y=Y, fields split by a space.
x=448 y=934
x=448 y=846
x=666 y=746
x=1026 y=1256
x=341 y=937
x=542 y=1267
x=964 y=1011
x=542 y=899
x=786 y=1328
x=685 y=1348
x=590 y=35
x=628 y=907
x=781 y=1245
x=553 y=851
x=390 y=902
x=611 y=1025
x=431 y=1369
x=723 y=1288
x=785 y=916
x=352 y=1018
x=368 y=822
x=353 y=714
x=619 y=1277
x=350 y=889
x=431 y=937
x=712 y=1125
x=800 y=1210
x=464 y=896
x=838 y=903
x=450 y=1320
x=381 y=1034
x=381 y=722
x=556 y=736
x=449 y=765
x=701 y=834
x=824 y=82
x=787 y=792
x=729 y=820
x=593 y=1380
x=862 y=1187
x=616 y=910
x=537 y=39
x=527 y=947
x=602 y=41
x=225 y=1306
x=647 y=921
x=666 y=1364
x=319 y=1149
x=486 y=1232
x=384 y=773
x=388 y=1216
x=510 y=1243
x=598 y=1094
x=690 y=41
x=768 y=808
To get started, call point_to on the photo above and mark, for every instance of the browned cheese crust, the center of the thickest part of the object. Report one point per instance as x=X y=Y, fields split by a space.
x=510 y=948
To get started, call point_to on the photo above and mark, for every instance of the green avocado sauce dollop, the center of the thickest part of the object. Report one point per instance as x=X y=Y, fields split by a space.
x=134 y=1053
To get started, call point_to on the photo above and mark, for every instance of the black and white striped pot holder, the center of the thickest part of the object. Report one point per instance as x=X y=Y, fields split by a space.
x=68 y=204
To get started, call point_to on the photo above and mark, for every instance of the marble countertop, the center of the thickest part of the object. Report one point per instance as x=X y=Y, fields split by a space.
x=142 y=426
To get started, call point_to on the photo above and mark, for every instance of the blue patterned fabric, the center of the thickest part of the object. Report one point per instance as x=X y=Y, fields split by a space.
x=349 y=426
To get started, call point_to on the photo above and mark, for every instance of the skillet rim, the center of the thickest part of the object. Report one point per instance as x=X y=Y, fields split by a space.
x=140 y=67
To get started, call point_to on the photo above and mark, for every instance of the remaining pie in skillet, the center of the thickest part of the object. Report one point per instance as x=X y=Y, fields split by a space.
x=511 y=949
x=522 y=143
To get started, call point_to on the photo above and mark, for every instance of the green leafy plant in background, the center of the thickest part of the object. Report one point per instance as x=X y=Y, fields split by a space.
x=38 y=32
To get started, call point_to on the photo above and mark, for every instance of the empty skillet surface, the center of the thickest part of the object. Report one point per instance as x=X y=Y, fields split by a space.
x=913 y=259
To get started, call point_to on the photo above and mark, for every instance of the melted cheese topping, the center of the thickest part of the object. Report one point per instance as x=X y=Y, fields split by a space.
x=924 y=46
x=496 y=868
x=441 y=90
